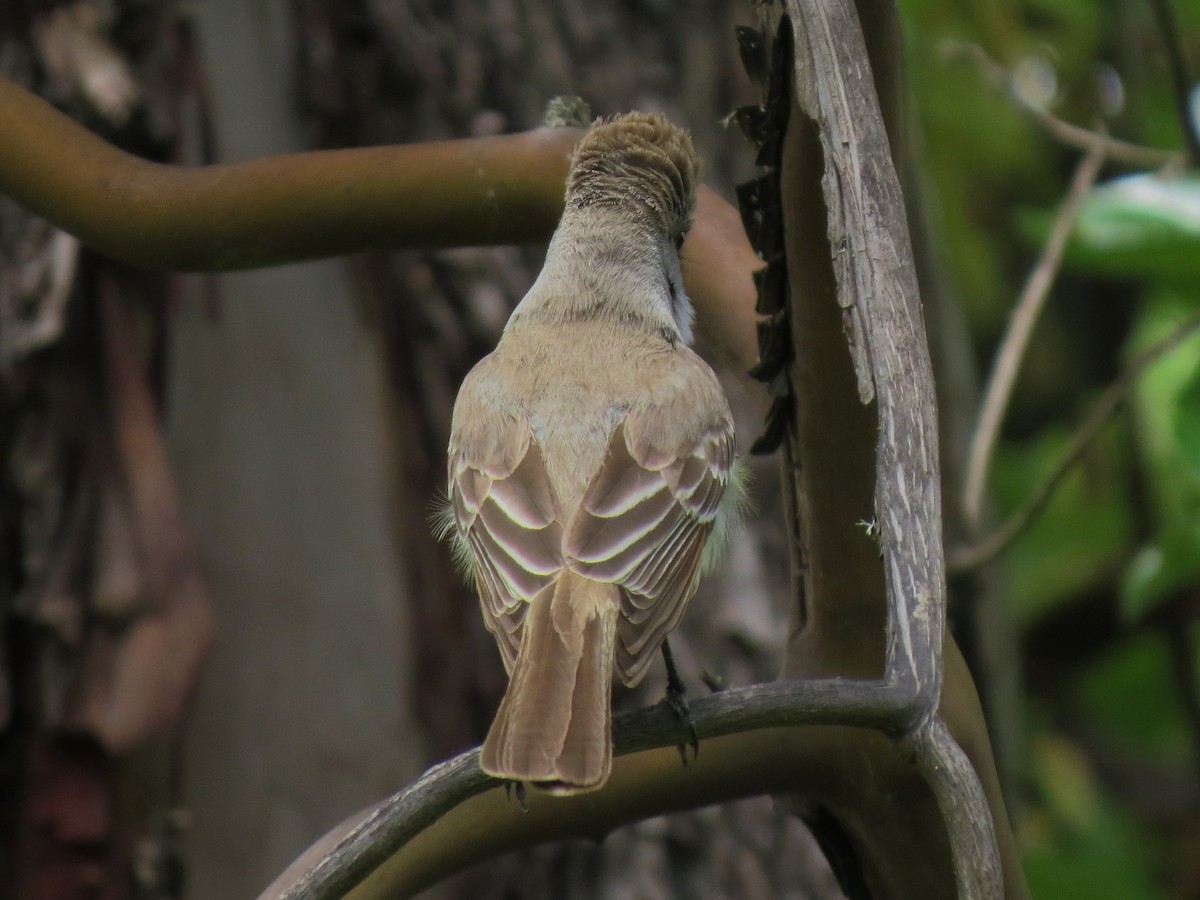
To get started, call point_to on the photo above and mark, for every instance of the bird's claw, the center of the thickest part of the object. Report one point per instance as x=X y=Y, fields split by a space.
x=517 y=787
x=676 y=699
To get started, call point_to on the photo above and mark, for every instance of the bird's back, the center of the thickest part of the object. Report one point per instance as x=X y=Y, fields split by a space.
x=575 y=384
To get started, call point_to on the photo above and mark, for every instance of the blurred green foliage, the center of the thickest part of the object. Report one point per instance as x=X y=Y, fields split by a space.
x=1076 y=544
x=1079 y=845
x=1167 y=413
x=1139 y=226
x=1123 y=698
x=1114 y=561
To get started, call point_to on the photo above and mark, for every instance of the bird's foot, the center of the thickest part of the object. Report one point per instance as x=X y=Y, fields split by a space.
x=517 y=787
x=676 y=699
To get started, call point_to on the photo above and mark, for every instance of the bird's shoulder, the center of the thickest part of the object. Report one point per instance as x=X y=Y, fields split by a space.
x=592 y=368
x=682 y=407
x=489 y=428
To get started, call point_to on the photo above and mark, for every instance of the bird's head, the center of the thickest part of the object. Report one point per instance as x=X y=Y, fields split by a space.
x=639 y=162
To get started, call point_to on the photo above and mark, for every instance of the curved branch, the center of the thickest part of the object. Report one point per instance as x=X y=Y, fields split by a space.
x=280 y=209
x=723 y=771
x=299 y=206
x=867 y=233
x=1122 y=152
x=876 y=288
x=961 y=798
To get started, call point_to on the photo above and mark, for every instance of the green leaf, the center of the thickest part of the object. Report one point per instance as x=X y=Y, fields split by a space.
x=1161 y=568
x=1187 y=423
x=1166 y=408
x=1139 y=226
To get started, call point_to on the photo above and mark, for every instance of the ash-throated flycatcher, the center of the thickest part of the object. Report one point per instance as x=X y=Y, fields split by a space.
x=589 y=457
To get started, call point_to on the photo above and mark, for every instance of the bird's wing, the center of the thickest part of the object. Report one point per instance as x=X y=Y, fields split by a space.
x=505 y=510
x=648 y=512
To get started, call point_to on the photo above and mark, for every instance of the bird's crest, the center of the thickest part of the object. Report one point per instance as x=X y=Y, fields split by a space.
x=637 y=158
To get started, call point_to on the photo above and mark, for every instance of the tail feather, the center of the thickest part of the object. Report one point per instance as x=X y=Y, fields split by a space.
x=554 y=726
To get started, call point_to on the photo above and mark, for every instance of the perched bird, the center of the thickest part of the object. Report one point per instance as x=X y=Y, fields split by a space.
x=591 y=458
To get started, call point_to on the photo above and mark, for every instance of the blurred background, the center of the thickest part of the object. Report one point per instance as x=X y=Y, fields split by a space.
x=226 y=624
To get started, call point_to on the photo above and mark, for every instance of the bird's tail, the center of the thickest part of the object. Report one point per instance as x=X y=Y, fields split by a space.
x=554 y=726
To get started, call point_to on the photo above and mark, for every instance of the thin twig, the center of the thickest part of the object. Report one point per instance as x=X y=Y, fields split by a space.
x=964 y=558
x=1012 y=350
x=1118 y=151
x=1180 y=80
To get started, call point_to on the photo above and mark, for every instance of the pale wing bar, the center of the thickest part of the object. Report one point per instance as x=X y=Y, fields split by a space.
x=510 y=522
x=643 y=525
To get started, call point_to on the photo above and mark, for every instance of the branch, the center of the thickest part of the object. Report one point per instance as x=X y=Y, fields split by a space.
x=876 y=288
x=961 y=799
x=299 y=206
x=343 y=859
x=1180 y=80
x=963 y=559
x=1025 y=315
x=279 y=209
x=1117 y=151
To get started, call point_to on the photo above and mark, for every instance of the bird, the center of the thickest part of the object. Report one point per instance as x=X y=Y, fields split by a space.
x=592 y=472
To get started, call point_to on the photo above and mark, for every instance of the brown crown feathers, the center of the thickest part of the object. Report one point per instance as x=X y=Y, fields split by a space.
x=637 y=159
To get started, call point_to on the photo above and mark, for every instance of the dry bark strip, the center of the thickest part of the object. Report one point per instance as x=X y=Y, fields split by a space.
x=877 y=289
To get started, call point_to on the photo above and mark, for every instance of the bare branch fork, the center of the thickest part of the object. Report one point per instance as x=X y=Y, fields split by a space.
x=962 y=559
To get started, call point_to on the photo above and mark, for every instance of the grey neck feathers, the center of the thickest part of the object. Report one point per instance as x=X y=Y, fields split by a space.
x=605 y=264
x=630 y=197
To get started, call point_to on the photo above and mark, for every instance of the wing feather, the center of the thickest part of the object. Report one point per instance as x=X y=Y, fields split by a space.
x=626 y=535
x=636 y=645
x=655 y=569
x=643 y=523
x=505 y=508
